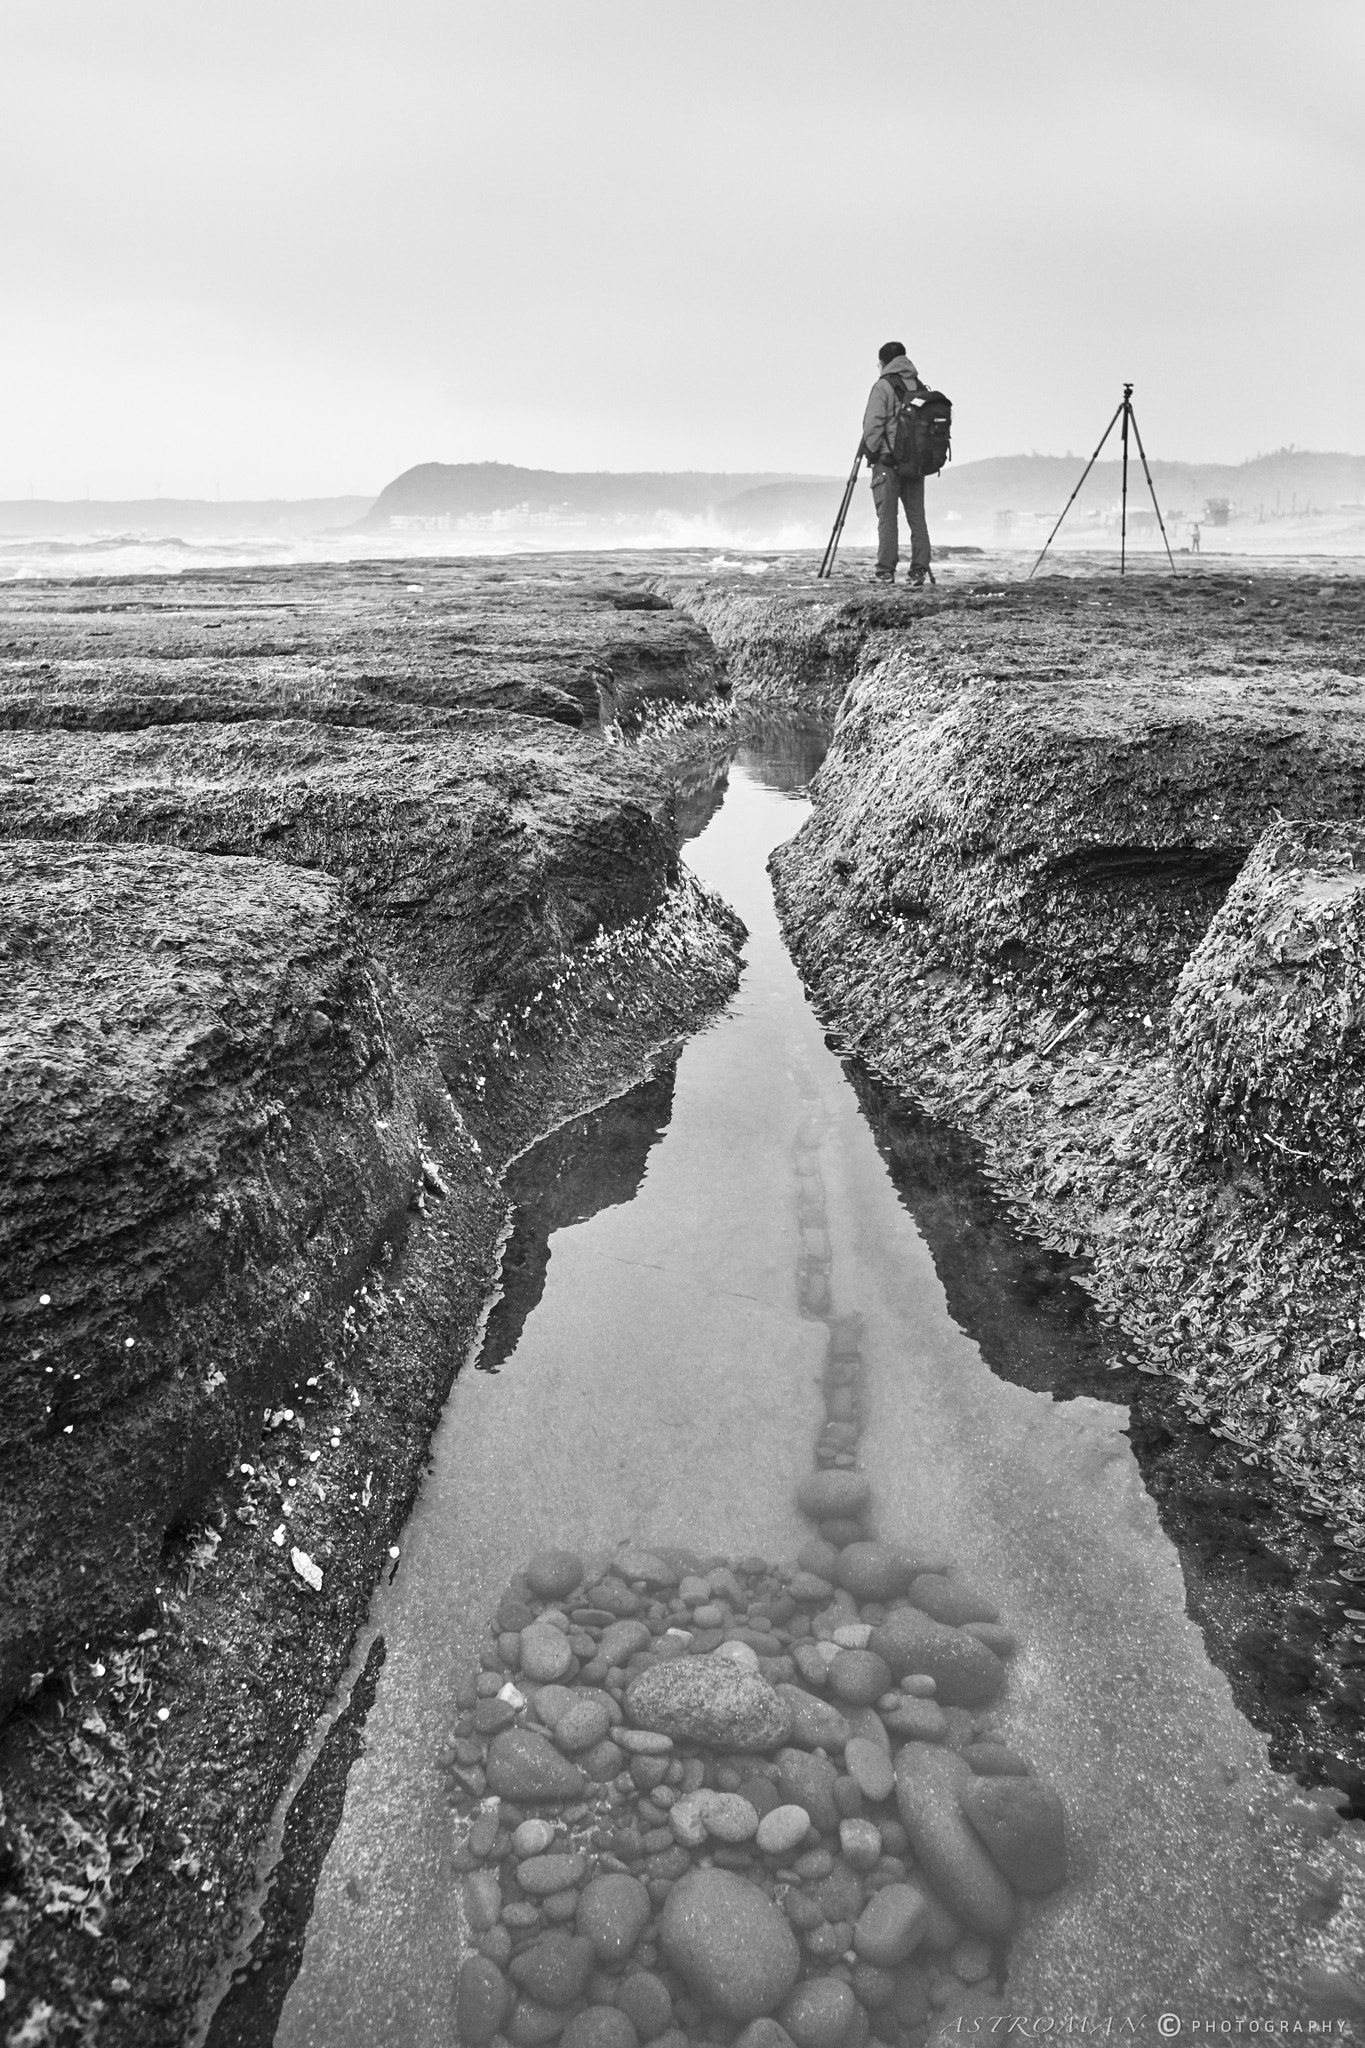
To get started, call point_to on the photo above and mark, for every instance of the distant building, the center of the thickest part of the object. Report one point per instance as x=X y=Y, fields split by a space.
x=1217 y=511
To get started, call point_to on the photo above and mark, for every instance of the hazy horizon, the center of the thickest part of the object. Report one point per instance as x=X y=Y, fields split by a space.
x=264 y=252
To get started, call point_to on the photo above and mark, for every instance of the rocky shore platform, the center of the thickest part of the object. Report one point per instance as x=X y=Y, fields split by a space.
x=1081 y=880
x=325 y=891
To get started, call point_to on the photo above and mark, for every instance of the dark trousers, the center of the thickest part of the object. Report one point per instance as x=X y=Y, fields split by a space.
x=889 y=490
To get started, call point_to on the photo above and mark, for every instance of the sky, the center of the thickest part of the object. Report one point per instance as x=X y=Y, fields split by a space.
x=258 y=248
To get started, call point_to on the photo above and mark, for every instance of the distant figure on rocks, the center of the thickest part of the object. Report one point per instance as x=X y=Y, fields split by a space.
x=897 y=381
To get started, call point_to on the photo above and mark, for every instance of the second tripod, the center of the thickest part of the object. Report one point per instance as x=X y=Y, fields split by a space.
x=1122 y=411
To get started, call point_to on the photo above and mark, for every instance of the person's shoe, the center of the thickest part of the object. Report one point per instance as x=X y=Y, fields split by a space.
x=918 y=577
x=885 y=576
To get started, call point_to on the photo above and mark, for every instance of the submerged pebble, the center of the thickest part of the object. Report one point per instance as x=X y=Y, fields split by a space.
x=775 y=1819
x=730 y=1942
x=710 y=1700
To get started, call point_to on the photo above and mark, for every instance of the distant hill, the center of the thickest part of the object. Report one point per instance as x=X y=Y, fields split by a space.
x=1287 y=482
x=499 y=493
x=184 y=518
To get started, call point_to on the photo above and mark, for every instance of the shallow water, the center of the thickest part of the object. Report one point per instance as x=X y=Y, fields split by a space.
x=658 y=1380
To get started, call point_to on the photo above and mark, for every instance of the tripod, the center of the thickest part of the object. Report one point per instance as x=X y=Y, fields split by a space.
x=1124 y=411
x=826 y=567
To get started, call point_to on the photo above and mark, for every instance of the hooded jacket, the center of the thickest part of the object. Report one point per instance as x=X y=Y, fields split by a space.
x=879 y=420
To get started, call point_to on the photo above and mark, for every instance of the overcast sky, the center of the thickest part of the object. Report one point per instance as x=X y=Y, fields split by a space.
x=289 y=247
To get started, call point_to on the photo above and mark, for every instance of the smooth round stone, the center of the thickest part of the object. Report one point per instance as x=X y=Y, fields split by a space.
x=854 y=1635
x=554 y=1970
x=644 y=2000
x=873 y=1571
x=687 y=1819
x=918 y=1720
x=841 y=1530
x=930 y=1781
x=602 y=1761
x=994 y=1760
x=814 y=1723
x=1001 y=1640
x=834 y=1495
x=872 y=1986
x=783 y=1830
x=553 y=1574
x=809 y=1586
x=809 y=1663
x=545 y=1653
x=867 y=1722
x=533 y=2025
x=891 y=1925
x=820 y=2013
x=809 y=1781
x=541 y=1875
x=1023 y=1826
x=859 y=1677
x=613 y=1912
x=709 y=1700
x=648 y=1565
x=765 y=2033
x=818 y=1557
x=524 y=1765
x=738 y=1653
x=730 y=1942
x=531 y=1838
x=711 y=1615
x=644 y=1742
x=600 y=2026
x=694 y=1591
x=860 y=1844
x=970 y=1960
x=497 y=1946
x=585 y=1723
x=482 y=1895
x=949 y=1600
x=729 y=1817
x=761 y=1794
x=482 y=2001
x=869 y=1766
x=964 y=1671
x=551 y=1702
x=621 y=1639
x=918 y=1685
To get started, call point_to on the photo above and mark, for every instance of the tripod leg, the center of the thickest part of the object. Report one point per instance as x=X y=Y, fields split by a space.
x=1152 y=488
x=832 y=544
x=832 y=547
x=1076 y=493
x=1123 y=516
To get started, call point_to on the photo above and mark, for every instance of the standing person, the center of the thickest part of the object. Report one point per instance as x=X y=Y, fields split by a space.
x=897 y=381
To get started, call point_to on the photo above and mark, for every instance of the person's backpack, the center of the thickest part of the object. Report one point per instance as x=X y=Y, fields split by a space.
x=923 y=432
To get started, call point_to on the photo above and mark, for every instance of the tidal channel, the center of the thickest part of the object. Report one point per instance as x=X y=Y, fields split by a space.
x=704 y=1278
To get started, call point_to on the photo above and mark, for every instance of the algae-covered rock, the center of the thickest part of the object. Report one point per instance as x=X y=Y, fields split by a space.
x=501 y=869
x=217 y=1112
x=1268 y=1021
x=349 y=645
